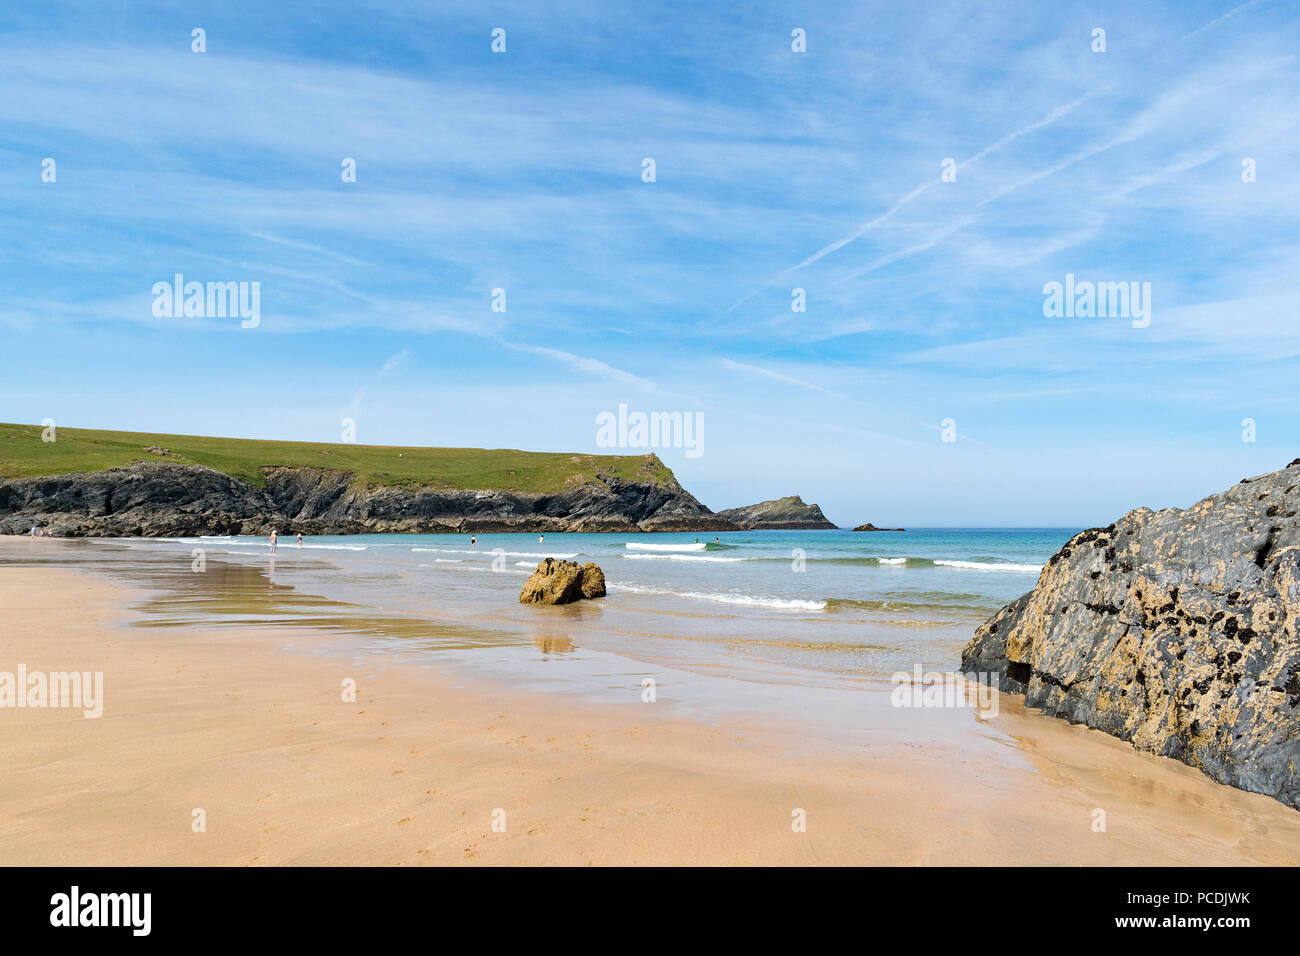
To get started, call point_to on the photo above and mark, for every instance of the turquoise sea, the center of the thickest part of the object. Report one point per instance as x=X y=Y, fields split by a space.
x=765 y=621
x=802 y=606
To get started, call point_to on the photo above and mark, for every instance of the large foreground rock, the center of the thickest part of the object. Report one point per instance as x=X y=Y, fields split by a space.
x=780 y=514
x=562 y=582
x=1175 y=630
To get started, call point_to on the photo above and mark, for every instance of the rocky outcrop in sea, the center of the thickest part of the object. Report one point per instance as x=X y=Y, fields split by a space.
x=153 y=499
x=562 y=582
x=1177 y=630
x=780 y=514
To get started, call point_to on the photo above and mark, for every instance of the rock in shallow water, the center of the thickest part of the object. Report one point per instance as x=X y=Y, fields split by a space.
x=1177 y=630
x=562 y=582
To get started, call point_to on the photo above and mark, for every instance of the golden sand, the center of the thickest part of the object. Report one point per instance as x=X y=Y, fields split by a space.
x=250 y=727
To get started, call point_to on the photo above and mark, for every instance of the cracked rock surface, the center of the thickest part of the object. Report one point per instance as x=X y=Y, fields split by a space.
x=1175 y=630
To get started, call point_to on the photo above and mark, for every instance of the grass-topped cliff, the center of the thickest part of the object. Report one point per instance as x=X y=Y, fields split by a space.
x=133 y=484
x=24 y=455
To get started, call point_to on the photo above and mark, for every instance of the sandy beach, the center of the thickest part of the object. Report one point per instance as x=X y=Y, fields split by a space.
x=249 y=726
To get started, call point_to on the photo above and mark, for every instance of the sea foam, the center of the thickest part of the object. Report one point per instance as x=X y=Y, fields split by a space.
x=745 y=600
x=989 y=566
x=688 y=546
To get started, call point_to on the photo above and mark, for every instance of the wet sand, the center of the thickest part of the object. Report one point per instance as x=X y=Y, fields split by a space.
x=247 y=724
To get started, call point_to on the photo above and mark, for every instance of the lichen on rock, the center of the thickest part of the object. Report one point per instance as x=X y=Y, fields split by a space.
x=1177 y=630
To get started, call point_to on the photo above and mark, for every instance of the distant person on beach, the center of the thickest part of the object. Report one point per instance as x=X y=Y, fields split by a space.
x=541 y=539
x=299 y=540
x=473 y=540
x=716 y=540
x=33 y=531
x=273 y=541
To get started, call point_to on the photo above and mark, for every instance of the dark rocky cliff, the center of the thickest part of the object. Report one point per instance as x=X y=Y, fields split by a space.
x=1177 y=630
x=160 y=499
x=781 y=514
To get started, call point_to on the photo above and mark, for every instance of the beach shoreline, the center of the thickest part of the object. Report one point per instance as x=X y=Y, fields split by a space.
x=249 y=726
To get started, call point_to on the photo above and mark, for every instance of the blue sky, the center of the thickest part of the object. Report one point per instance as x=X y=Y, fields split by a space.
x=775 y=170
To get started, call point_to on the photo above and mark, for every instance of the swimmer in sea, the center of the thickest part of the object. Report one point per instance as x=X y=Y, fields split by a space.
x=273 y=541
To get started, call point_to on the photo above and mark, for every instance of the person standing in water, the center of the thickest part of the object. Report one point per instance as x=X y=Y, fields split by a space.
x=273 y=541
x=473 y=540
x=299 y=540
x=541 y=539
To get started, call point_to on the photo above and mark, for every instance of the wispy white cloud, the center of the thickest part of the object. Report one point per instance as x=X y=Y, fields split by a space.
x=920 y=190
x=584 y=364
x=779 y=377
x=391 y=364
x=523 y=172
x=1241 y=8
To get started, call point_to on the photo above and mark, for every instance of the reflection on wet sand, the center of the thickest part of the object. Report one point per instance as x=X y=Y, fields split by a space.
x=554 y=643
x=180 y=593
